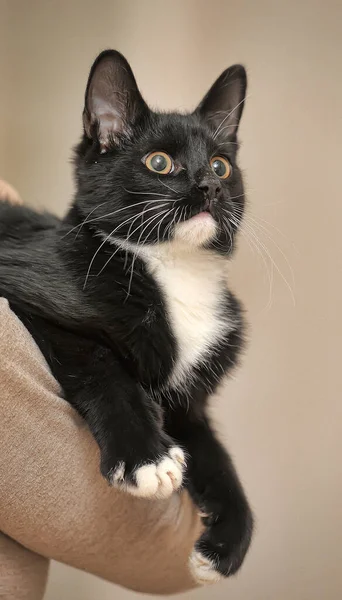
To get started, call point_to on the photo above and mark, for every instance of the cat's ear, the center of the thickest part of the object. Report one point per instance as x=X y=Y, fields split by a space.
x=113 y=103
x=222 y=106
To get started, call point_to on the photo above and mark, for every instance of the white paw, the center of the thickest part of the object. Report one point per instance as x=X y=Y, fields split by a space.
x=202 y=569
x=158 y=480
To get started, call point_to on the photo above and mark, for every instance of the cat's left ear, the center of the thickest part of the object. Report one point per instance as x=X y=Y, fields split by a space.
x=223 y=105
x=113 y=103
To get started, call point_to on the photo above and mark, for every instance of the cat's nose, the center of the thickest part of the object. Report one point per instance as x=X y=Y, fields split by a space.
x=210 y=187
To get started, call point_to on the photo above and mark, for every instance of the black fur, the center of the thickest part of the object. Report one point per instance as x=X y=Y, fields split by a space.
x=97 y=313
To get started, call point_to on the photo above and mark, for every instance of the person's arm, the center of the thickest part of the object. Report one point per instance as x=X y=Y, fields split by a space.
x=53 y=499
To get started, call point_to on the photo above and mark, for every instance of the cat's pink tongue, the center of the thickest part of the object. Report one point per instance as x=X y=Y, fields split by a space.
x=202 y=215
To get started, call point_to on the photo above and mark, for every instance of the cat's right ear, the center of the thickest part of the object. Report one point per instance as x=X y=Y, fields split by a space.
x=222 y=106
x=113 y=103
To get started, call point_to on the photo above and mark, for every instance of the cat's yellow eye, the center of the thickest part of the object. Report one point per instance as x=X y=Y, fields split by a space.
x=221 y=167
x=159 y=162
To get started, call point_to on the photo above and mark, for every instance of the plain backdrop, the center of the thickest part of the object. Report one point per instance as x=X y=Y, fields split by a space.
x=281 y=414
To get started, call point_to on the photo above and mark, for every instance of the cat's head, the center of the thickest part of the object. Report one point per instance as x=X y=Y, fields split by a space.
x=147 y=177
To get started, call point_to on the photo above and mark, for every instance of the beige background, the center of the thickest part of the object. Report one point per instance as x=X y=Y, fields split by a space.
x=281 y=415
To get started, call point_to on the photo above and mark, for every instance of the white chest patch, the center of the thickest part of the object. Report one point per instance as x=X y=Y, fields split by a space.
x=193 y=284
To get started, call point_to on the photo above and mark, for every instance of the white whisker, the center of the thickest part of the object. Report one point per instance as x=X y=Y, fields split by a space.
x=269 y=224
x=99 y=248
x=167 y=186
x=253 y=243
x=149 y=221
x=118 y=248
x=172 y=222
x=87 y=217
x=219 y=128
x=265 y=232
x=164 y=217
x=146 y=193
x=262 y=245
x=144 y=223
x=236 y=197
x=80 y=225
x=114 y=213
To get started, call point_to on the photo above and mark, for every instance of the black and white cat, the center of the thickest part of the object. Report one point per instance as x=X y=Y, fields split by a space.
x=127 y=296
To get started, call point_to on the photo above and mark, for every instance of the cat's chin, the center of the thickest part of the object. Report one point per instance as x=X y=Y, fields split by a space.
x=196 y=231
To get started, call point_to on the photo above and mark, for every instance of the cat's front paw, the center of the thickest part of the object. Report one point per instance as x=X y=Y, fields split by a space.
x=221 y=549
x=157 y=478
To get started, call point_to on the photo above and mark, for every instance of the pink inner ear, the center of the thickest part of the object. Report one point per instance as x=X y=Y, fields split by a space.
x=110 y=125
x=109 y=120
x=106 y=129
x=113 y=100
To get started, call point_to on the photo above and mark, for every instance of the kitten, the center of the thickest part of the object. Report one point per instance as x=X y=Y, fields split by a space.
x=127 y=295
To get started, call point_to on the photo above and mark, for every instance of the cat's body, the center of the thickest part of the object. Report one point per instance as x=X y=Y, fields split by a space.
x=178 y=303
x=128 y=299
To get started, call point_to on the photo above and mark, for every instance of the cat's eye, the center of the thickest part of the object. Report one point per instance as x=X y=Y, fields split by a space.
x=159 y=162
x=221 y=167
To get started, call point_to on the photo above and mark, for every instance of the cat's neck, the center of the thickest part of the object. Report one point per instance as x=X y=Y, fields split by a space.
x=170 y=252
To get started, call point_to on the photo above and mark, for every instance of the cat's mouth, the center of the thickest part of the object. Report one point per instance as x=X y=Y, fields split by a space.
x=198 y=229
x=203 y=214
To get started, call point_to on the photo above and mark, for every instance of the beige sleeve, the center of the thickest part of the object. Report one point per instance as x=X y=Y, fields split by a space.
x=53 y=500
x=23 y=573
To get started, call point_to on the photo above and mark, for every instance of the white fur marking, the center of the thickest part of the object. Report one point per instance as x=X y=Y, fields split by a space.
x=193 y=280
x=158 y=480
x=177 y=455
x=203 y=570
x=119 y=473
x=193 y=284
x=196 y=231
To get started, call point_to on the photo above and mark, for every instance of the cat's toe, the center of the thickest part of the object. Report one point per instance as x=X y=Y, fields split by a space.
x=177 y=454
x=170 y=472
x=203 y=569
x=158 y=479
